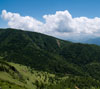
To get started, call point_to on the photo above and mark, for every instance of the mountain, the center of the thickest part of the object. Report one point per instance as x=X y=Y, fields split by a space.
x=93 y=41
x=79 y=63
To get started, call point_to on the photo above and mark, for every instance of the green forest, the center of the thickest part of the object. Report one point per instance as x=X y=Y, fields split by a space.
x=30 y=60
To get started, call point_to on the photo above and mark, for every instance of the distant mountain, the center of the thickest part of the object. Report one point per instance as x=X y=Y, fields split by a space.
x=52 y=55
x=93 y=41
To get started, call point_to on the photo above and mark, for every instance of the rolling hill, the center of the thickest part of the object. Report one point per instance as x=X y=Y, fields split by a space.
x=79 y=62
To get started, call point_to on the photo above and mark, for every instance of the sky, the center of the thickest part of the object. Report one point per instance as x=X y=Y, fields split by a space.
x=75 y=20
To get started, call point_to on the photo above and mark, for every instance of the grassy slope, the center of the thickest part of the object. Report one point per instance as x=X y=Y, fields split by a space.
x=27 y=78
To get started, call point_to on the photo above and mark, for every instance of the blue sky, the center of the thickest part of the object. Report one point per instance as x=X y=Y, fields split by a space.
x=38 y=8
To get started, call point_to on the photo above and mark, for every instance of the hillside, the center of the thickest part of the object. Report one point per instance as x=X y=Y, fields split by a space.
x=15 y=76
x=80 y=62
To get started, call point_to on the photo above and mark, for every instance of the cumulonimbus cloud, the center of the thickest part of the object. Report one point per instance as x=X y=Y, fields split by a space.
x=61 y=24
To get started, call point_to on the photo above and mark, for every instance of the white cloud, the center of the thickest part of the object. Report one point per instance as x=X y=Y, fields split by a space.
x=61 y=24
x=20 y=22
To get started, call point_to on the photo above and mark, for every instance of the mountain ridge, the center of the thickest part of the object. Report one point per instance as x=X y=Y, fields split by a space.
x=50 y=54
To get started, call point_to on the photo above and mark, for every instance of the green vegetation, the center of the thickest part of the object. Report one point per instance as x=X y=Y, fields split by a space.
x=23 y=77
x=36 y=61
